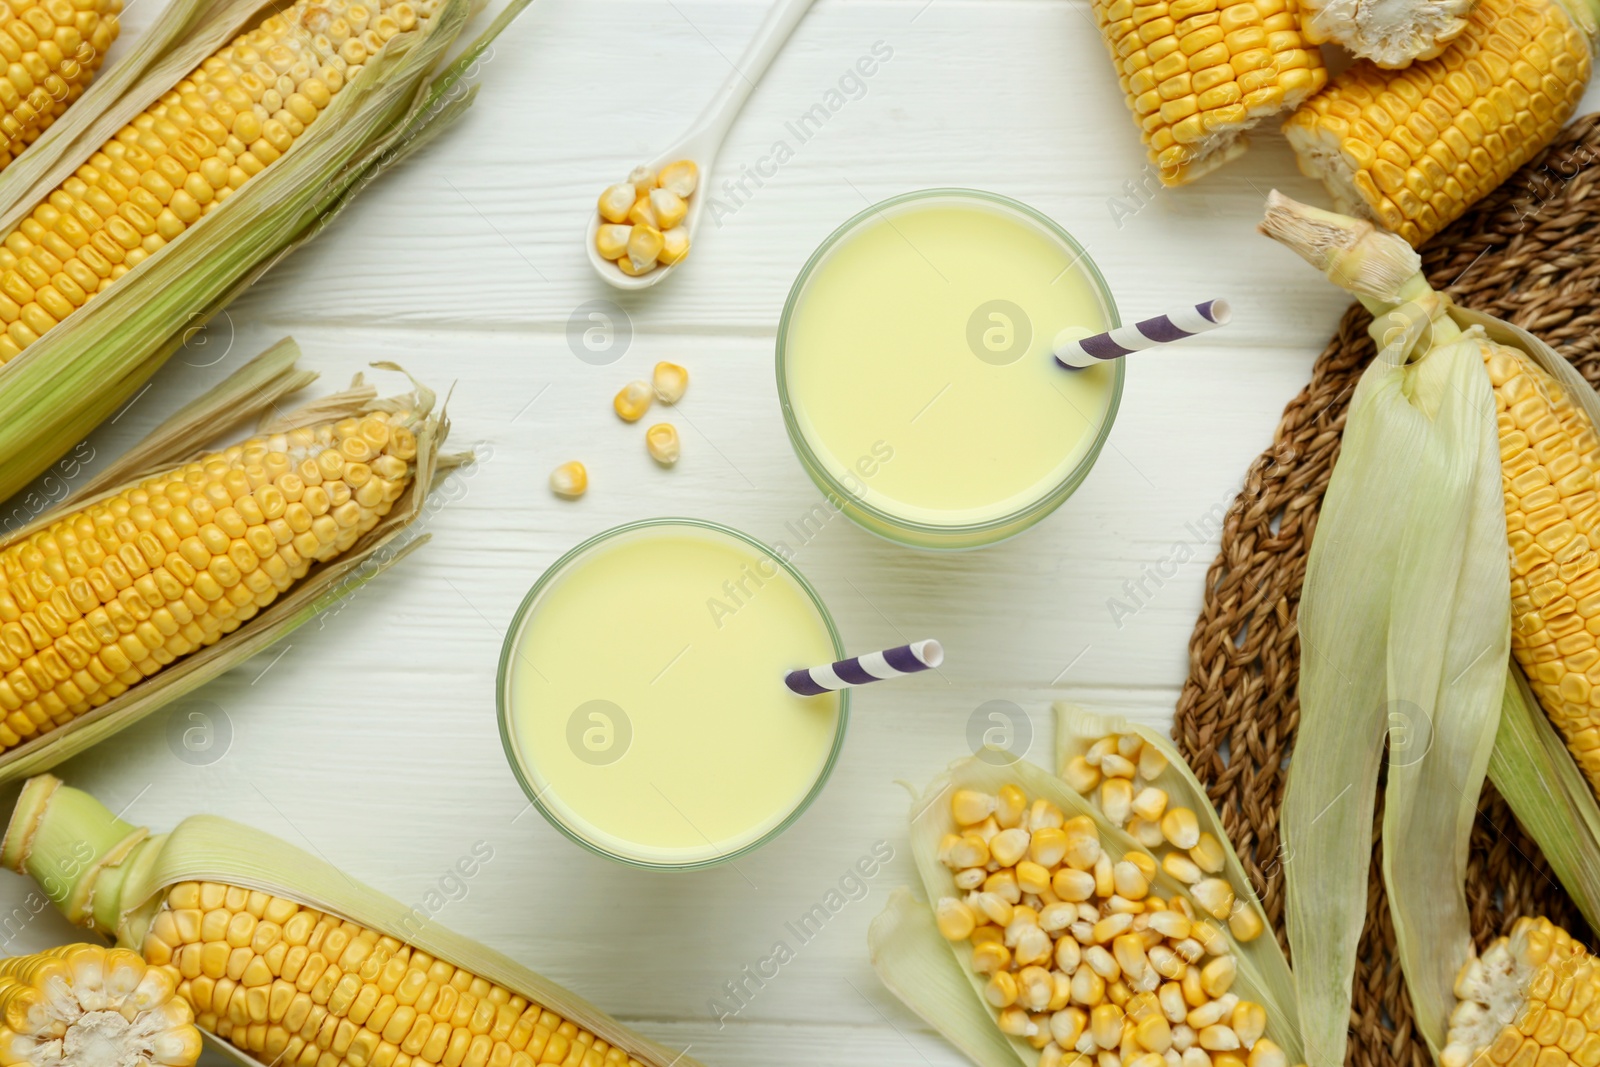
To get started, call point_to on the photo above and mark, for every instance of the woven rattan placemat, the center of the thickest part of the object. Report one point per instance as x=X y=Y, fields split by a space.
x=1529 y=254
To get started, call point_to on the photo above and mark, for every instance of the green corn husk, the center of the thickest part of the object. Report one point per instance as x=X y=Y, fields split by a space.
x=1077 y=729
x=109 y=876
x=253 y=390
x=904 y=942
x=1405 y=639
x=62 y=386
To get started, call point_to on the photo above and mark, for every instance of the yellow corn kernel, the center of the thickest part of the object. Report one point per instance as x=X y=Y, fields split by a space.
x=955 y=919
x=570 y=480
x=1080 y=775
x=611 y=240
x=632 y=401
x=681 y=177
x=668 y=207
x=669 y=382
x=616 y=202
x=674 y=245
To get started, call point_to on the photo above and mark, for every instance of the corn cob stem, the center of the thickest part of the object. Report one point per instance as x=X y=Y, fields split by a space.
x=90 y=1006
x=283 y=981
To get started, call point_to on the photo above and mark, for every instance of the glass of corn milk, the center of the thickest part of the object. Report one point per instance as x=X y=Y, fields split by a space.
x=641 y=696
x=915 y=369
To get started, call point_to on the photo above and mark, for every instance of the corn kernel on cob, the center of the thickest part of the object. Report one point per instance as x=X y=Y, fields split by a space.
x=52 y=50
x=112 y=593
x=229 y=120
x=1527 y=1000
x=1083 y=958
x=289 y=983
x=92 y=1006
x=1199 y=73
x=1413 y=149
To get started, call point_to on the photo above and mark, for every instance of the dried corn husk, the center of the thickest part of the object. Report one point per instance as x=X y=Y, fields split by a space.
x=901 y=949
x=82 y=370
x=249 y=392
x=1077 y=729
x=1405 y=638
x=117 y=888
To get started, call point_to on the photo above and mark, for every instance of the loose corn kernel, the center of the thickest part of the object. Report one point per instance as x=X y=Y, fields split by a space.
x=1244 y=923
x=674 y=245
x=644 y=245
x=1208 y=855
x=681 y=177
x=612 y=240
x=668 y=207
x=670 y=382
x=632 y=401
x=617 y=201
x=570 y=480
x=1081 y=775
x=1181 y=827
x=1116 y=798
x=1150 y=803
x=955 y=919
x=1151 y=762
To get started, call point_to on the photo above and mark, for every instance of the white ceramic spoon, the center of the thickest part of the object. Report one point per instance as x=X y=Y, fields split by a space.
x=705 y=137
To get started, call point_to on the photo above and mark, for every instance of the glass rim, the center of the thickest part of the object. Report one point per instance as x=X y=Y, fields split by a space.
x=1031 y=511
x=503 y=679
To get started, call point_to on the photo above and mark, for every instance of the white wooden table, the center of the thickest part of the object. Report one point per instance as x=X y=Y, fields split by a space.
x=371 y=739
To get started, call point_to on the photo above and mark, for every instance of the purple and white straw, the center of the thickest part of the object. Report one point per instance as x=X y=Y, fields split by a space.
x=1161 y=330
x=872 y=667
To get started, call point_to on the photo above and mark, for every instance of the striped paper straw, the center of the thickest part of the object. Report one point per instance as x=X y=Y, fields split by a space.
x=1161 y=330
x=872 y=667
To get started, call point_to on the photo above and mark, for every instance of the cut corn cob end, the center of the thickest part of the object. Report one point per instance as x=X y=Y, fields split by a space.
x=1199 y=73
x=1391 y=35
x=1414 y=149
x=1118 y=772
x=91 y=1006
x=1082 y=960
x=290 y=985
x=109 y=595
x=1525 y=1000
x=229 y=120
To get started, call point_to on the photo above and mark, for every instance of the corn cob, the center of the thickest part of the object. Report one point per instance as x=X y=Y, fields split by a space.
x=1414 y=149
x=52 y=49
x=112 y=593
x=229 y=120
x=1199 y=73
x=90 y=1006
x=1550 y=471
x=288 y=983
x=1529 y=999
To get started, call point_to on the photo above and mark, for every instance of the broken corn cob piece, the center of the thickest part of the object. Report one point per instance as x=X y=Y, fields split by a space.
x=1199 y=73
x=1523 y=999
x=1413 y=149
x=109 y=595
x=92 y=1006
x=229 y=120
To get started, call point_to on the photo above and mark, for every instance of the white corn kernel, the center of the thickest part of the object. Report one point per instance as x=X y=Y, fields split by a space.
x=1151 y=762
x=1194 y=1056
x=1130 y=881
x=971 y=878
x=1068 y=954
x=1267 y=1054
x=1034 y=988
x=1116 y=799
x=1099 y=750
x=643 y=179
x=1146 y=832
x=1173 y=1006
x=1218 y=1038
x=1214 y=896
x=1182 y=868
x=570 y=480
x=1184 y=1037
x=1097 y=959
x=1033 y=946
x=616 y=201
x=1054 y=918
x=661 y=441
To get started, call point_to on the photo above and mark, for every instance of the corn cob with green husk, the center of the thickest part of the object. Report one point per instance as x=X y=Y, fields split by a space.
x=112 y=257
x=293 y=963
x=92 y=1006
x=182 y=560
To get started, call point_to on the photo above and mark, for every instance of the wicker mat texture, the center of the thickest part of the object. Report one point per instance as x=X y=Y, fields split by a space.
x=1529 y=254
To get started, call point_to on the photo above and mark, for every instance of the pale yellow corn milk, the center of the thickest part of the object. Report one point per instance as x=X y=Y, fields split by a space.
x=917 y=363
x=644 y=702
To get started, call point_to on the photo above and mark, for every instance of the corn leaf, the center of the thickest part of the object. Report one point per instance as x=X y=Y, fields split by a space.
x=913 y=963
x=1449 y=643
x=1077 y=729
x=1345 y=617
x=187 y=434
x=931 y=819
x=80 y=371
